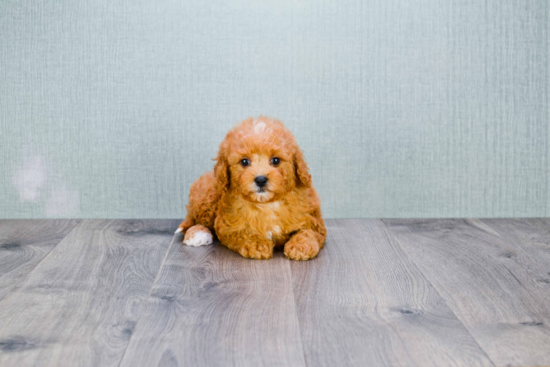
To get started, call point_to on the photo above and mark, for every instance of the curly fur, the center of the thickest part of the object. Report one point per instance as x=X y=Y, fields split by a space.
x=227 y=202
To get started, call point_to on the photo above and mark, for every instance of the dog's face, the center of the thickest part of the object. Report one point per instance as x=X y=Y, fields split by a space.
x=261 y=161
x=261 y=176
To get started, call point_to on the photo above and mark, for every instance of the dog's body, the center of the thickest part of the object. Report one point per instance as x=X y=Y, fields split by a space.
x=259 y=196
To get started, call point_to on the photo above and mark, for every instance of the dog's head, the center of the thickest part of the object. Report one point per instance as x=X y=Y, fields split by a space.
x=260 y=160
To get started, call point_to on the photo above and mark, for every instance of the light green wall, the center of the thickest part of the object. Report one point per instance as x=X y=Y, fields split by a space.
x=420 y=108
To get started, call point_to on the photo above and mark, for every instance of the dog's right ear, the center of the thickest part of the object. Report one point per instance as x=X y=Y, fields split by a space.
x=221 y=173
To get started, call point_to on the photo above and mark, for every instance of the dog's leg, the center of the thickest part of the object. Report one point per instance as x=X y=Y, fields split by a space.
x=255 y=248
x=247 y=244
x=185 y=225
x=198 y=235
x=303 y=245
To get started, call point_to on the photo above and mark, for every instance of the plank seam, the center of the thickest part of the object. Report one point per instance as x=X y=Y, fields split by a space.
x=147 y=300
x=296 y=312
x=435 y=289
x=39 y=262
x=512 y=243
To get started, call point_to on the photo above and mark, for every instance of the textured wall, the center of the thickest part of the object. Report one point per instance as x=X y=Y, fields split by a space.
x=420 y=108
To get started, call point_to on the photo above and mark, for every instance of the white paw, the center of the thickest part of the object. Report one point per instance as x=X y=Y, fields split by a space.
x=200 y=238
x=179 y=230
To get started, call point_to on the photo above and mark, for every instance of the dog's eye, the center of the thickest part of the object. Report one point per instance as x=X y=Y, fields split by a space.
x=275 y=161
x=245 y=162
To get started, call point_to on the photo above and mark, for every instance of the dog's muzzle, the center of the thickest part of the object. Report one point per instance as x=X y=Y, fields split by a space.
x=261 y=181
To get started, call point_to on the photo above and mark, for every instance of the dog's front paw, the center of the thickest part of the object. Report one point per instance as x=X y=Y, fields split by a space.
x=198 y=235
x=302 y=246
x=257 y=250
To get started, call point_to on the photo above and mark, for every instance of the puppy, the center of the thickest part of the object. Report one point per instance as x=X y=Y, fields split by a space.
x=259 y=196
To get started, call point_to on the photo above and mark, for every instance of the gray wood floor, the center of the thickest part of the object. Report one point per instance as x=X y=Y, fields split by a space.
x=445 y=292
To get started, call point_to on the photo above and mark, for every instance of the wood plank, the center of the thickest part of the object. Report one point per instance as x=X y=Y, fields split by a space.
x=532 y=235
x=363 y=302
x=23 y=244
x=81 y=303
x=211 y=307
x=490 y=283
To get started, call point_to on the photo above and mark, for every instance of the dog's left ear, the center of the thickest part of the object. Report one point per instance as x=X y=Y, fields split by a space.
x=302 y=171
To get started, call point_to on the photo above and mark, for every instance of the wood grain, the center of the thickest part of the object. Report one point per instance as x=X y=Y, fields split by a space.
x=363 y=302
x=81 y=303
x=211 y=307
x=423 y=293
x=532 y=235
x=23 y=244
x=489 y=281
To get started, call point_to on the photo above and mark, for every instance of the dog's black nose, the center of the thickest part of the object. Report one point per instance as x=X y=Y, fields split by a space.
x=261 y=181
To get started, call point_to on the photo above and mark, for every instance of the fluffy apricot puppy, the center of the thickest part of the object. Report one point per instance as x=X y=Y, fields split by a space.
x=259 y=196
